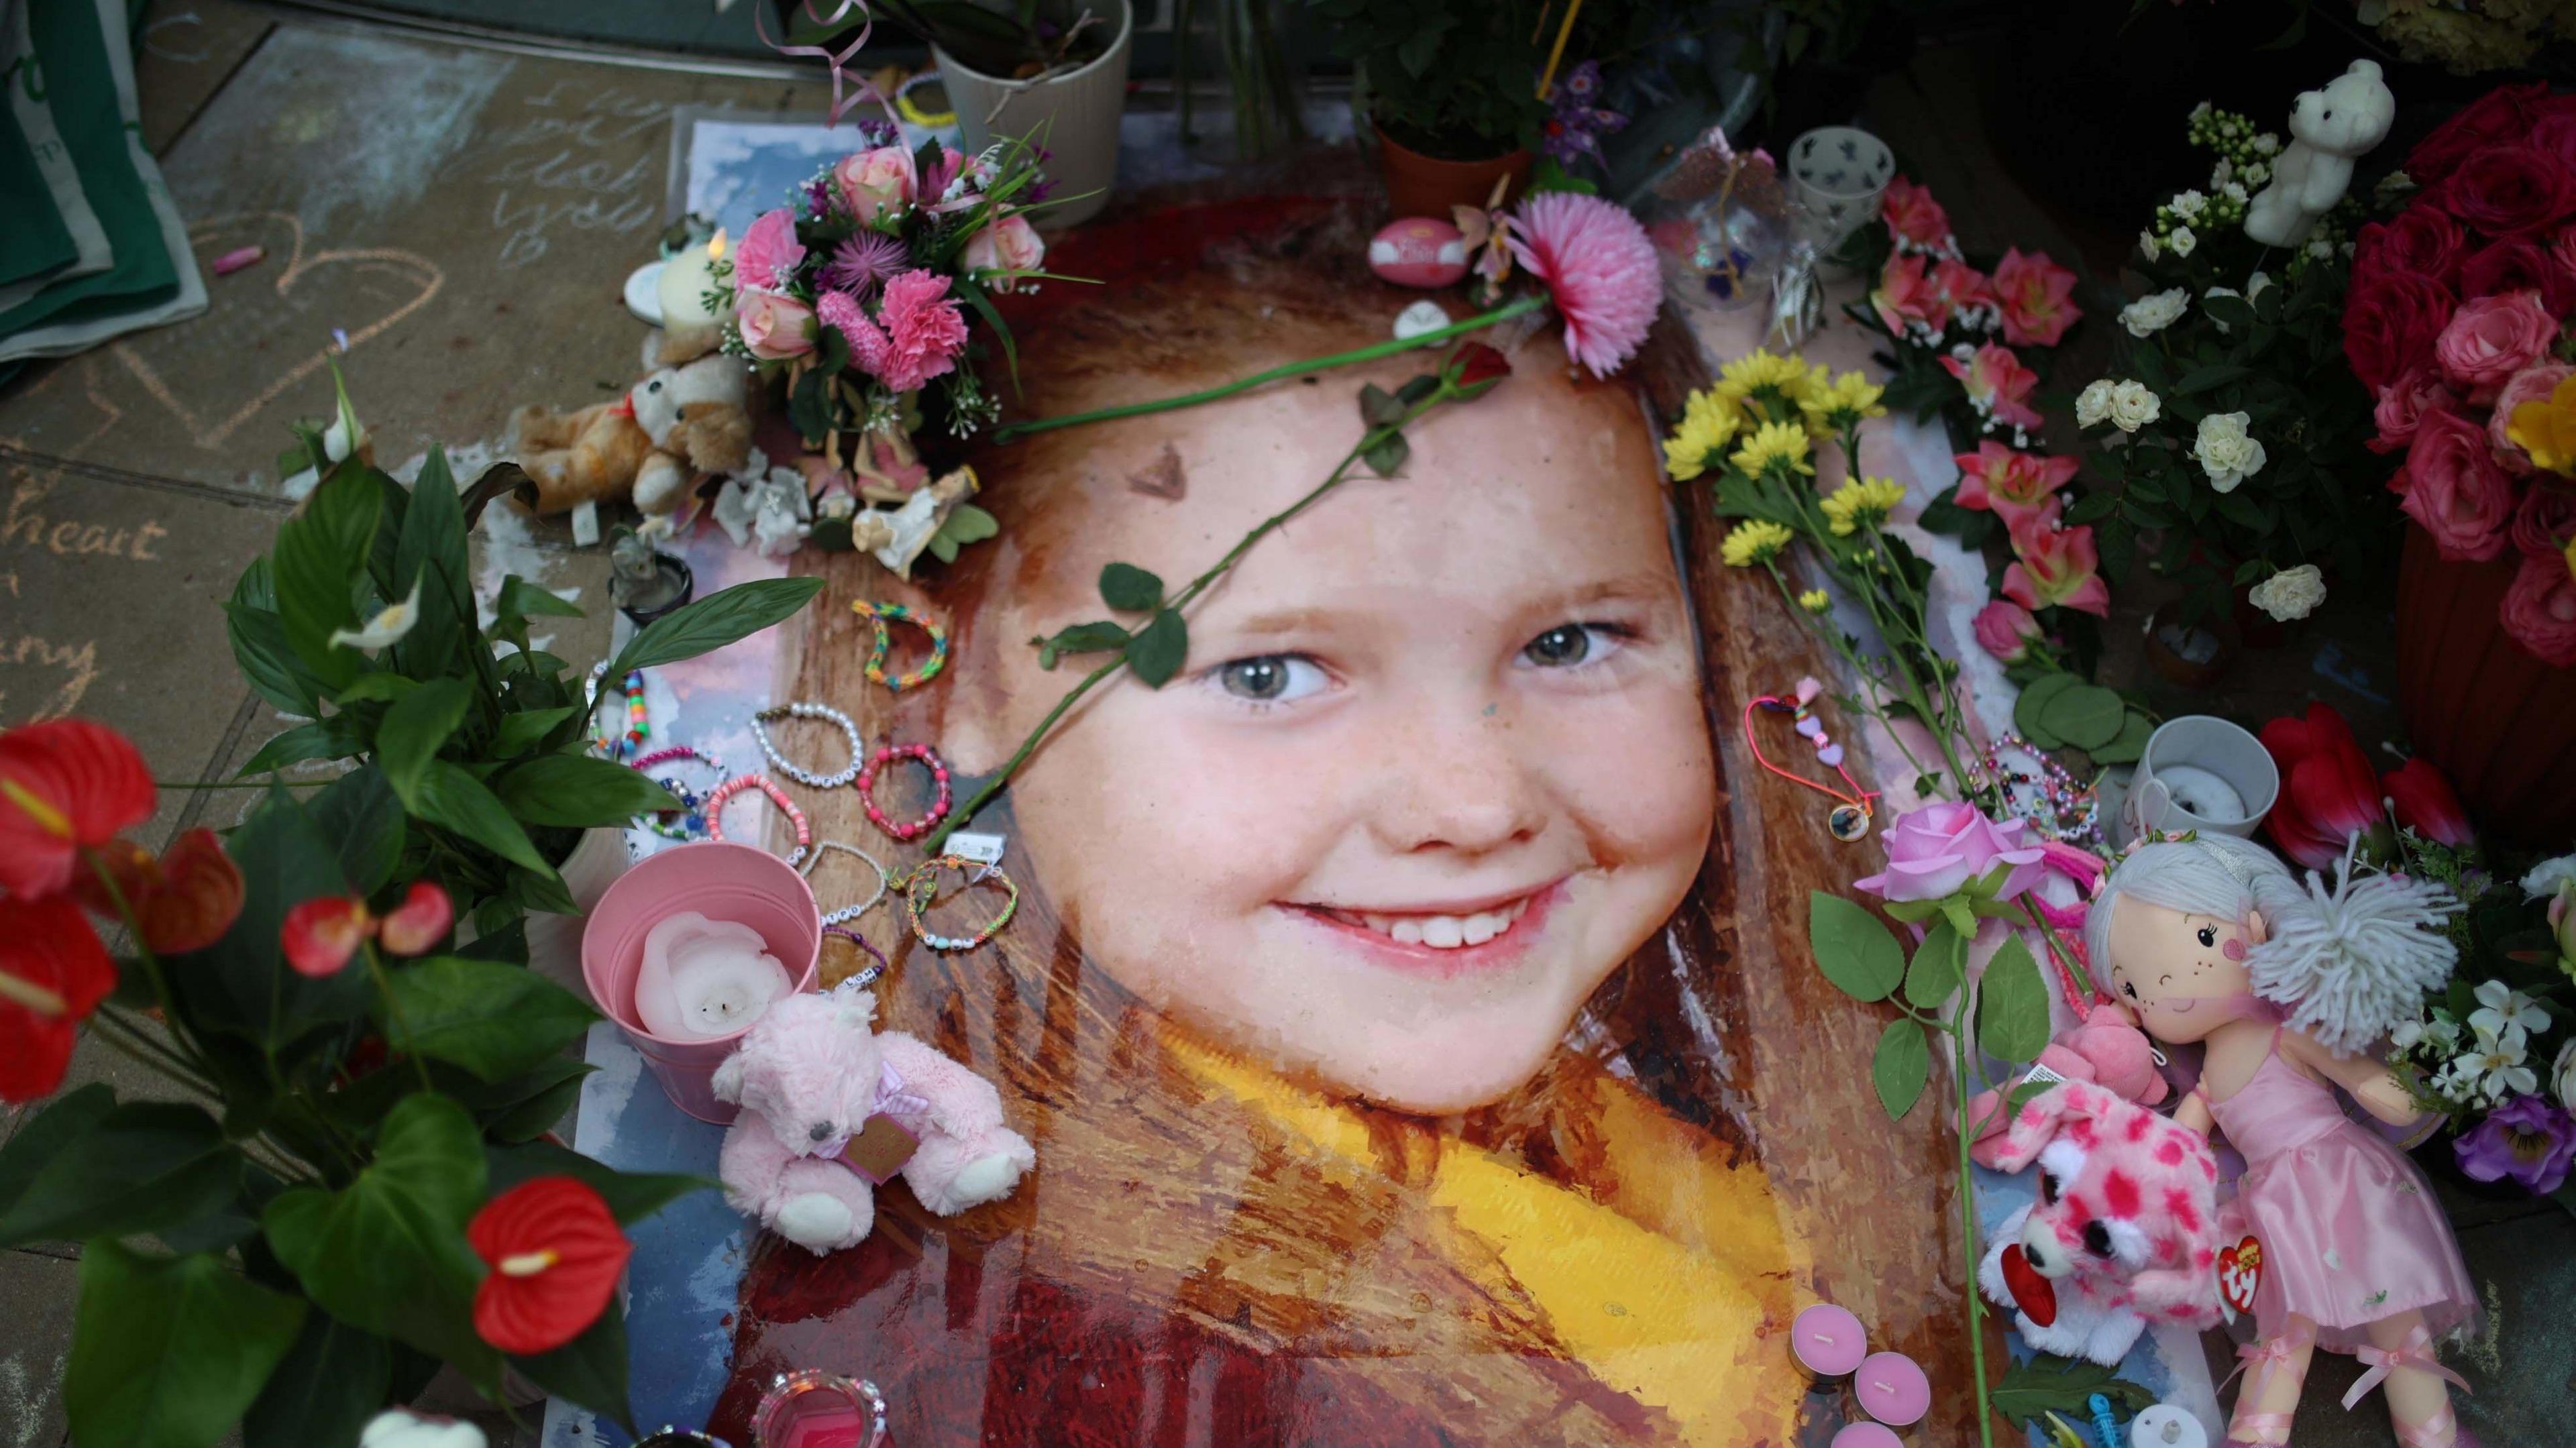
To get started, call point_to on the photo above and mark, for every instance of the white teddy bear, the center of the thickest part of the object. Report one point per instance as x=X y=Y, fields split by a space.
x=2331 y=128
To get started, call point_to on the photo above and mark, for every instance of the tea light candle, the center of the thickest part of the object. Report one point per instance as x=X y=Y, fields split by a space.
x=818 y=1410
x=705 y=978
x=1827 y=1341
x=1892 y=1389
x=2204 y=792
x=1867 y=1435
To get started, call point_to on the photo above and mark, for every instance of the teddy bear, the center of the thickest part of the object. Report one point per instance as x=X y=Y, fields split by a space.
x=811 y=1078
x=2330 y=129
x=676 y=426
x=2125 y=1227
x=2105 y=1049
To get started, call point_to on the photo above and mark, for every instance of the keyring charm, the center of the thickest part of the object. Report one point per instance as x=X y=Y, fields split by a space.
x=878 y=615
x=1850 y=818
x=825 y=712
x=921 y=891
x=850 y=912
x=888 y=754
x=715 y=803
x=869 y=976
x=688 y=822
x=639 y=725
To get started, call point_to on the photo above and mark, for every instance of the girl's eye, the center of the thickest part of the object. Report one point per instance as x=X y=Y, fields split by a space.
x=2209 y=935
x=1271 y=678
x=1568 y=644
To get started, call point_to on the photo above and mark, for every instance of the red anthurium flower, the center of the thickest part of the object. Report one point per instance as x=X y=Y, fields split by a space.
x=2328 y=791
x=53 y=973
x=184 y=900
x=419 y=922
x=555 y=1252
x=2426 y=803
x=65 y=786
x=322 y=933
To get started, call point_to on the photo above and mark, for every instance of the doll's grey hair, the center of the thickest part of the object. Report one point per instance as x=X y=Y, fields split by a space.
x=2346 y=964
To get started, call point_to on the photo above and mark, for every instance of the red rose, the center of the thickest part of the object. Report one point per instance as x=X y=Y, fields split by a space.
x=2518 y=264
x=2499 y=113
x=2389 y=323
x=2453 y=488
x=2509 y=191
x=2404 y=402
x=2421 y=239
x=2540 y=610
x=2562 y=250
x=2554 y=130
x=2544 y=522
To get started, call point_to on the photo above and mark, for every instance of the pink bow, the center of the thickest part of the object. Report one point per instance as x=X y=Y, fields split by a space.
x=2415 y=1352
x=2275 y=1351
x=837 y=62
x=892 y=1099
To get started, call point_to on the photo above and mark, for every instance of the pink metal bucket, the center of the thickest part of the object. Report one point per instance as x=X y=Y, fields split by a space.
x=721 y=881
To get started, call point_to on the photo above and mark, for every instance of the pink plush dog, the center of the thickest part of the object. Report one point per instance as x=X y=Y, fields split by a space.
x=2105 y=1049
x=809 y=1077
x=2125 y=1228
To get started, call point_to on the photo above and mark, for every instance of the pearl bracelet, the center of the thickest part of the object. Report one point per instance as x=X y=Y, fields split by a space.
x=825 y=712
x=717 y=796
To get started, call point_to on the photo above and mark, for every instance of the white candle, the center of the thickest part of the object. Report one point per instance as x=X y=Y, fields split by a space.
x=686 y=279
x=705 y=978
x=2204 y=792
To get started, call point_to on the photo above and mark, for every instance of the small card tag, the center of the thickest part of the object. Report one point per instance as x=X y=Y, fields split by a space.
x=880 y=1149
x=983 y=849
x=2040 y=1075
x=585 y=524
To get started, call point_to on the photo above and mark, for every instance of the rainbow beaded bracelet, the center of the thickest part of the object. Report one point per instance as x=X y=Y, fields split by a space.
x=639 y=718
x=921 y=891
x=878 y=616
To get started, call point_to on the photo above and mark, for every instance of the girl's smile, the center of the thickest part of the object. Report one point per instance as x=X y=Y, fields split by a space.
x=1449 y=939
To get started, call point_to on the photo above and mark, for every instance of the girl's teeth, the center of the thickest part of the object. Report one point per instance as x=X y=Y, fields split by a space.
x=1446 y=932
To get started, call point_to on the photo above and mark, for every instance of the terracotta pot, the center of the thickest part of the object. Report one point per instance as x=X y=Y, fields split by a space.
x=1420 y=185
x=2498 y=721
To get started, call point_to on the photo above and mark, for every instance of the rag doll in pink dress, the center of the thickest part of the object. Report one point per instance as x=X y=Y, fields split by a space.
x=2287 y=985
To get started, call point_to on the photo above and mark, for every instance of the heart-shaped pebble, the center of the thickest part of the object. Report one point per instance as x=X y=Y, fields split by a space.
x=1811 y=726
x=1831 y=756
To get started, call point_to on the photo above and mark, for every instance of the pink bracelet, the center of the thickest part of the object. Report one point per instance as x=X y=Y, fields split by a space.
x=888 y=754
x=717 y=796
x=678 y=751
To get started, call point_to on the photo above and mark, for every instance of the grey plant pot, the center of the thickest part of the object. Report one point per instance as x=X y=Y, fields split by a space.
x=1074 y=116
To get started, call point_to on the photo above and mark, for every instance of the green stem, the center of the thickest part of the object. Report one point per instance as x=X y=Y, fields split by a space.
x=1968 y=1223
x=393 y=1011
x=1520 y=306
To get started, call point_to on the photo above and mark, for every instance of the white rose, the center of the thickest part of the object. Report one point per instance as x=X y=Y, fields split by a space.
x=2226 y=452
x=2153 y=313
x=2292 y=593
x=2094 y=403
x=2133 y=406
x=2182 y=241
x=2563 y=1076
x=2189 y=204
x=2256 y=173
x=2148 y=246
x=2220 y=292
x=2266 y=144
x=2548 y=875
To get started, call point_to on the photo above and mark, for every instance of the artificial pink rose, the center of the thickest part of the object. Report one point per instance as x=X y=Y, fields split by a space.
x=2531 y=384
x=2404 y=402
x=2009 y=484
x=2505 y=111
x=1007 y=245
x=1938 y=850
x=1998 y=386
x=2038 y=298
x=2519 y=264
x=774 y=328
x=2509 y=191
x=1963 y=284
x=2492 y=338
x=2544 y=520
x=2540 y=610
x=2390 y=319
x=2421 y=239
x=873 y=183
x=767 y=258
x=1907 y=293
x=2453 y=487
x=2055 y=566
x=1912 y=214
x=2005 y=629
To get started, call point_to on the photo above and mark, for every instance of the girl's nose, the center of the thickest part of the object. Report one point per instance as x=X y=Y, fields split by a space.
x=1458 y=786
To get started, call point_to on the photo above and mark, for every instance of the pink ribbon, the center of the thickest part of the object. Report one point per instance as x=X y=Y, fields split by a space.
x=2415 y=1352
x=892 y=1099
x=2276 y=1351
x=839 y=63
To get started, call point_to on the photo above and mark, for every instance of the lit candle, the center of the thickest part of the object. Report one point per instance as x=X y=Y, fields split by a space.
x=814 y=1409
x=705 y=978
x=1827 y=1341
x=1892 y=1389
x=686 y=280
x=1867 y=1435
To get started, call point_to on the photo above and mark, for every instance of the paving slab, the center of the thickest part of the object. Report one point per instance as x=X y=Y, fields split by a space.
x=35 y=1341
x=184 y=52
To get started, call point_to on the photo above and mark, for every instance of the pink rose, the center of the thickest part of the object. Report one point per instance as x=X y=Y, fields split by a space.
x=2531 y=384
x=1906 y=293
x=2038 y=298
x=769 y=254
x=1998 y=386
x=1939 y=850
x=774 y=327
x=1007 y=245
x=2492 y=338
x=1912 y=214
x=2403 y=403
x=2005 y=629
x=872 y=183
x=2055 y=566
x=2011 y=485
x=2544 y=521
x=2540 y=610
x=2454 y=489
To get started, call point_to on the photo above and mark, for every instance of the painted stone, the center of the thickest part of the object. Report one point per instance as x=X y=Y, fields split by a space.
x=1419 y=251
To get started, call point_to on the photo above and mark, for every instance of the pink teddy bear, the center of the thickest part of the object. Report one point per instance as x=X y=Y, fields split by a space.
x=2125 y=1228
x=809 y=1076
x=2105 y=1049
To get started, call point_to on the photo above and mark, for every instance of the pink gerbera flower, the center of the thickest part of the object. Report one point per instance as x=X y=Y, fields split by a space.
x=1600 y=269
x=922 y=332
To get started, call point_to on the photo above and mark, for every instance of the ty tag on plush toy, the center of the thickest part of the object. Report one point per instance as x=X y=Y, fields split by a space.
x=2240 y=1273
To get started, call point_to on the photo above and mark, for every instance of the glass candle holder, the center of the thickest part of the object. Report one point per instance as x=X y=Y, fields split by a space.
x=816 y=1409
x=671 y=1437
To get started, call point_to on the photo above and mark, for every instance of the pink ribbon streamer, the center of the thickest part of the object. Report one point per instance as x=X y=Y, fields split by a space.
x=2415 y=1352
x=839 y=63
x=892 y=1099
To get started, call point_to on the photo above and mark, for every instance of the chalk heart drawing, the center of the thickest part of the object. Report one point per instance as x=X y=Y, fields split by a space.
x=364 y=290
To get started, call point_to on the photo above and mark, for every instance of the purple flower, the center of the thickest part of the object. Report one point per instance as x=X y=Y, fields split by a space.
x=864 y=260
x=1942 y=849
x=1575 y=126
x=2527 y=1139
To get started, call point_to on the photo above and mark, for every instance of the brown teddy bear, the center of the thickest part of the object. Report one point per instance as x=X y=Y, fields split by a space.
x=674 y=428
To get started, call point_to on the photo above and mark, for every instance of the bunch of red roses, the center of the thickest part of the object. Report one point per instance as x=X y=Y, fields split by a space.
x=2456 y=317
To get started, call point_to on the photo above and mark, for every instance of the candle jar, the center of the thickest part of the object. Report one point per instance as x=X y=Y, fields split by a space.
x=816 y=1409
x=1827 y=1342
x=1892 y=1388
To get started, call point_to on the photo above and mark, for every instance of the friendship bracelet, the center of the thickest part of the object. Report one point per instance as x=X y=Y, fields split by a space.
x=715 y=803
x=639 y=719
x=825 y=712
x=888 y=754
x=878 y=615
x=870 y=975
x=921 y=891
x=691 y=818
x=850 y=912
x=1850 y=818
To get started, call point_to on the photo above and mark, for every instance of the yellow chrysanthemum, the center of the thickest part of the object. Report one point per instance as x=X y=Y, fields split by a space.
x=1868 y=501
x=1814 y=601
x=2546 y=429
x=1708 y=424
x=1831 y=407
x=1784 y=443
x=1754 y=541
x=1765 y=384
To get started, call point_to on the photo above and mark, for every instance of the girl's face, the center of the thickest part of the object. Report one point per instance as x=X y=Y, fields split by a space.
x=2180 y=974
x=1437 y=762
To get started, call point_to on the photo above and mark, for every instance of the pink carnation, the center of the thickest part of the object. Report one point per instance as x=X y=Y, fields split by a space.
x=917 y=335
x=1600 y=269
x=769 y=253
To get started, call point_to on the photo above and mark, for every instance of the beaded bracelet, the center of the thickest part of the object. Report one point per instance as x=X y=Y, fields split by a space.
x=715 y=803
x=639 y=718
x=877 y=615
x=825 y=712
x=869 y=976
x=850 y=912
x=921 y=891
x=888 y=754
x=690 y=820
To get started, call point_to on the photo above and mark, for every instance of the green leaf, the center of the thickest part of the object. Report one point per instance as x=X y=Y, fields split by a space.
x=1901 y=1067
x=631 y=1196
x=387 y=1253
x=139 y=1167
x=414 y=729
x=527 y=729
x=714 y=621
x=589 y=1370
x=2012 y=1004
x=1422 y=385
x=320 y=553
x=333 y=1380
x=1855 y=951
x=2051 y=1384
x=2130 y=744
x=1130 y=589
x=2030 y=710
x=432 y=554
x=362 y=821
x=1939 y=965
x=492 y=1019
x=383 y=687
x=1380 y=408
x=526 y=600
x=322 y=739
x=1387 y=454
x=268 y=663
x=454 y=800
x=1086 y=638
x=42 y=1138
x=168 y=1353
x=533 y=1102
x=1157 y=650
x=239 y=985
x=578 y=791
x=1961 y=914
x=2086 y=716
